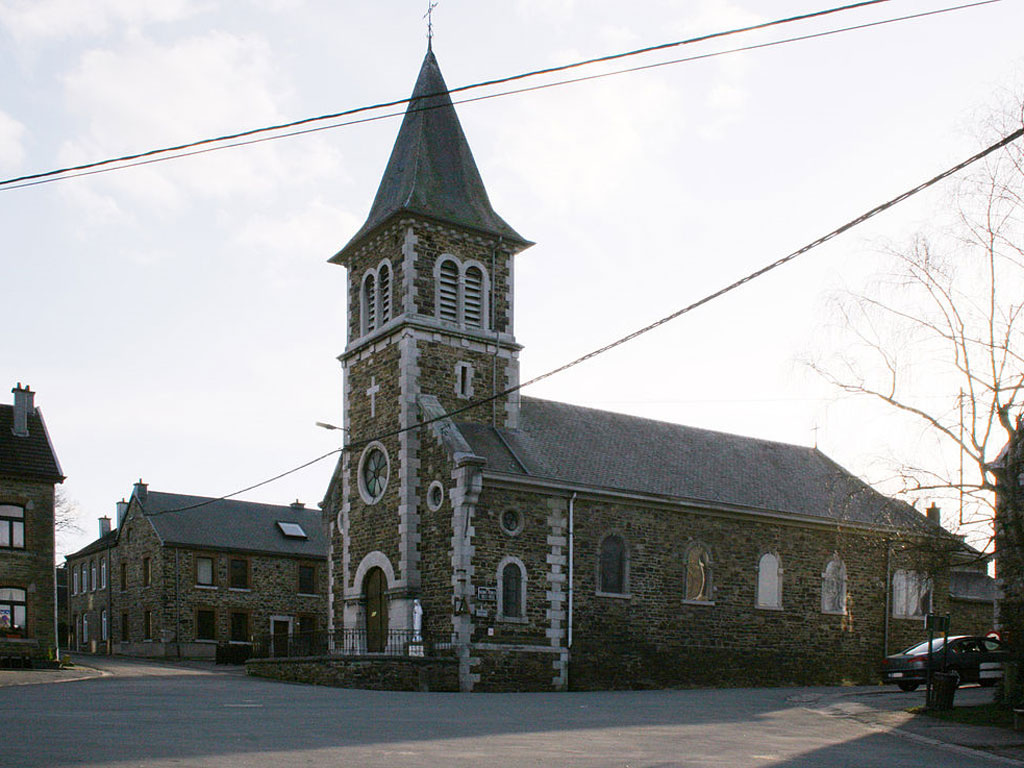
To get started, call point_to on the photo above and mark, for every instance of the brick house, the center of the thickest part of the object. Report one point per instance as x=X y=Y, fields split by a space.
x=181 y=574
x=556 y=546
x=29 y=472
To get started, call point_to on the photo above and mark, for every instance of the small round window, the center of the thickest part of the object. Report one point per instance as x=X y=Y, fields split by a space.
x=511 y=522
x=435 y=496
x=373 y=473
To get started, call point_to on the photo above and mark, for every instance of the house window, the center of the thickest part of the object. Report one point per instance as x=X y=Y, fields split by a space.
x=512 y=590
x=103 y=574
x=147 y=625
x=911 y=595
x=206 y=624
x=12 y=611
x=147 y=572
x=12 y=526
x=612 y=569
x=307 y=579
x=103 y=625
x=124 y=576
x=833 y=587
x=93 y=580
x=124 y=628
x=204 y=571
x=239 y=627
x=698 y=575
x=769 y=581
x=74 y=580
x=239 y=573
x=85 y=627
x=85 y=577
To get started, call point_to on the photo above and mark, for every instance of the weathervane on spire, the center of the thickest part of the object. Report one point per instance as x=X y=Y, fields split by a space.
x=429 y=16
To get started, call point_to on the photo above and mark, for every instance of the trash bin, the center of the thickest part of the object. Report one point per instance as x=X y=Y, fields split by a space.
x=944 y=687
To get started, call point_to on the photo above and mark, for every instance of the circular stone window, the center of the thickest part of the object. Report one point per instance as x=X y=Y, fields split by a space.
x=511 y=522
x=435 y=496
x=373 y=473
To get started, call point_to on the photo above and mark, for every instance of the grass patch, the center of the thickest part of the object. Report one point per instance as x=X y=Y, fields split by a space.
x=984 y=714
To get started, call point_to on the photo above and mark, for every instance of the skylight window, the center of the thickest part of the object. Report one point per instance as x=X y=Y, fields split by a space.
x=292 y=530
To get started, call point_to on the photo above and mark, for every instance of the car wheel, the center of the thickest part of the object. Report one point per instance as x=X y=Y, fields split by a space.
x=908 y=686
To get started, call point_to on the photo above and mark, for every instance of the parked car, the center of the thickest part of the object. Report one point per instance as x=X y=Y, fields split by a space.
x=972 y=659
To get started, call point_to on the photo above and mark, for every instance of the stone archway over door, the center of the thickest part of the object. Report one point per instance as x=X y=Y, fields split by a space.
x=375 y=590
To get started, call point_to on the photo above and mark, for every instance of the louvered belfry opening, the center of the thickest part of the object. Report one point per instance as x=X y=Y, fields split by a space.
x=369 y=303
x=385 y=294
x=474 y=297
x=448 y=288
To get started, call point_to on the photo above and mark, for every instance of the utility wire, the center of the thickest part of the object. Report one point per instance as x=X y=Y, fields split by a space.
x=1008 y=139
x=145 y=158
x=497 y=81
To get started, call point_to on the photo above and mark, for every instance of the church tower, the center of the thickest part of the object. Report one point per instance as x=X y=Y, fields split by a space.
x=430 y=330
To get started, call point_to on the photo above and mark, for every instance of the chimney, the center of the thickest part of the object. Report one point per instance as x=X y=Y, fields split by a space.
x=23 y=408
x=104 y=526
x=934 y=514
x=140 y=491
x=122 y=510
x=297 y=505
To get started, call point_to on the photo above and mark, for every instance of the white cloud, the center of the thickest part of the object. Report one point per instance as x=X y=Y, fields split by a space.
x=60 y=19
x=11 y=150
x=142 y=95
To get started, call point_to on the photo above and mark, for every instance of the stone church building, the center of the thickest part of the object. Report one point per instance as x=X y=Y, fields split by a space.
x=552 y=546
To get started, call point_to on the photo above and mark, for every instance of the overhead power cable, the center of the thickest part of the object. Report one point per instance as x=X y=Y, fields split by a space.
x=214 y=145
x=1008 y=139
x=496 y=81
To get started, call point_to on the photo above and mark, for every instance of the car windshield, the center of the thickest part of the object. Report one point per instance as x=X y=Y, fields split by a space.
x=923 y=647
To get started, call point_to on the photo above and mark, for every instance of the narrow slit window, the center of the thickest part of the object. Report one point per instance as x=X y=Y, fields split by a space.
x=369 y=304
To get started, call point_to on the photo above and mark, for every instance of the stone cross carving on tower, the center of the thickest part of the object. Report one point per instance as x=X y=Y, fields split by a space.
x=372 y=394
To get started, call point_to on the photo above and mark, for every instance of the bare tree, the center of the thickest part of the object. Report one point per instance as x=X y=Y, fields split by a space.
x=65 y=514
x=938 y=337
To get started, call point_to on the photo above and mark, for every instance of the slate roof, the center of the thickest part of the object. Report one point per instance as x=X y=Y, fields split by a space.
x=32 y=456
x=105 y=541
x=431 y=170
x=236 y=525
x=612 y=451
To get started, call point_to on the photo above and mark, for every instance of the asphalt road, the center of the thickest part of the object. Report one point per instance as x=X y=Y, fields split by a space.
x=149 y=714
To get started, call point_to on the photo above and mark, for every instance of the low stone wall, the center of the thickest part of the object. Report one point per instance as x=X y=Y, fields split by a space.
x=378 y=674
x=506 y=669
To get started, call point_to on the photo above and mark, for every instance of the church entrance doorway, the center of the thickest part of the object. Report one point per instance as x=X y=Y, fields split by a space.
x=375 y=589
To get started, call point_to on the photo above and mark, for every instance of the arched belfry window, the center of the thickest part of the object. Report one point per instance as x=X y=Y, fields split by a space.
x=474 y=297
x=385 y=293
x=448 y=291
x=369 y=303
x=462 y=293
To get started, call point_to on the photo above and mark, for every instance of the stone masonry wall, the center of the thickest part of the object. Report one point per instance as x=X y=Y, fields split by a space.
x=31 y=568
x=405 y=674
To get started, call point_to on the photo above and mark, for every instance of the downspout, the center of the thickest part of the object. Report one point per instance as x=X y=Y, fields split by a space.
x=56 y=613
x=572 y=509
x=177 y=606
x=888 y=592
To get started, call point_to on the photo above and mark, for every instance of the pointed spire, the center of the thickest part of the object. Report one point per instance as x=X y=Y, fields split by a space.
x=431 y=171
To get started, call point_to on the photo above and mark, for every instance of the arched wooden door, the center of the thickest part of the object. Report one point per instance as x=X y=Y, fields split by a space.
x=375 y=588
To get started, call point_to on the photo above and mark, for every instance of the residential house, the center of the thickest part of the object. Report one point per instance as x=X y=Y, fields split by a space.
x=181 y=574
x=29 y=473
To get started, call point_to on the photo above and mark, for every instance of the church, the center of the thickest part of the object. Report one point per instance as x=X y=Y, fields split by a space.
x=547 y=546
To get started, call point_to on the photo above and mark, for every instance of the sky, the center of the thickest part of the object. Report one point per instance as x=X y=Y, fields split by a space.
x=180 y=323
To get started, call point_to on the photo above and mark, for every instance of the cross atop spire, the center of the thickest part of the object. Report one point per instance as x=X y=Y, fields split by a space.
x=429 y=16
